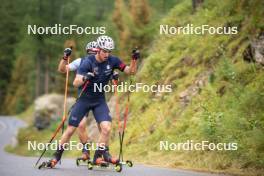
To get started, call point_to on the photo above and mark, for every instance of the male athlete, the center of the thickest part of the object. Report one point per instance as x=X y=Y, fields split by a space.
x=91 y=48
x=96 y=70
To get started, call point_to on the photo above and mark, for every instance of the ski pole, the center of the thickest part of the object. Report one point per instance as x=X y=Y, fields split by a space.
x=122 y=131
x=66 y=93
x=79 y=96
x=117 y=105
x=53 y=136
x=118 y=116
x=60 y=126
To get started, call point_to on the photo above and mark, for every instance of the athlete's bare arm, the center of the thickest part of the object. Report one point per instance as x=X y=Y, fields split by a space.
x=78 y=80
x=131 y=70
x=62 y=66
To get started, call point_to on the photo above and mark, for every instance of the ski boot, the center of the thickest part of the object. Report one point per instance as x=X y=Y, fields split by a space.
x=51 y=163
x=98 y=158
x=85 y=155
x=108 y=158
x=115 y=161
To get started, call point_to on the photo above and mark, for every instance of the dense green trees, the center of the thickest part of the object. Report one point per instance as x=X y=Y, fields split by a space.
x=28 y=63
x=8 y=37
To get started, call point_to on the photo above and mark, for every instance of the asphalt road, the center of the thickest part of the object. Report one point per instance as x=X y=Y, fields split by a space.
x=12 y=165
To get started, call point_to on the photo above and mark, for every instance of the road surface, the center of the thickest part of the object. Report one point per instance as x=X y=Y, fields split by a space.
x=12 y=165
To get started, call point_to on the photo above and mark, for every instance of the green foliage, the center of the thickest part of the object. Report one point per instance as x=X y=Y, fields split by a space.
x=37 y=56
x=18 y=97
x=9 y=35
x=226 y=110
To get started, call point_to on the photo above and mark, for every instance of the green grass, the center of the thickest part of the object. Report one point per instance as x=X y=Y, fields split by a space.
x=235 y=116
x=27 y=115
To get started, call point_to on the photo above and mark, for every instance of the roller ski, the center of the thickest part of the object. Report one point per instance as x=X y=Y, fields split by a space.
x=84 y=158
x=103 y=159
x=51 y=163
x=48 y=164
x=128 y=163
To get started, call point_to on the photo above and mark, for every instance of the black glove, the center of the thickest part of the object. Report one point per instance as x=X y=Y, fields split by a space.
x=67 y=53
x=135 y=54
x=88 y=76
x=115 y=76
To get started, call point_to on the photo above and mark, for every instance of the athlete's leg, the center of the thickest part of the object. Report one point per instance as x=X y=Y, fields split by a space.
x=105 y=127
x=77 y=113
x=101 y=114
x=67 y=134
x=99 y=128
x=103 y=119
x=82 y=133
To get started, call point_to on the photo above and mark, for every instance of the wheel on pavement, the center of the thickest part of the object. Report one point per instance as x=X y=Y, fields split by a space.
x=77 y=162
x=129 y=163
x=90 y=165
x=42 y=165
x=118 y=167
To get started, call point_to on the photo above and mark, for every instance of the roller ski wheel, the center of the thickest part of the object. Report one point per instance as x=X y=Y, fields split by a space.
x=78 y=162
x=118 y=167
x=85 y=155
x=82 y=159
x=42 y=165
x=129 y=163
x=90 y=165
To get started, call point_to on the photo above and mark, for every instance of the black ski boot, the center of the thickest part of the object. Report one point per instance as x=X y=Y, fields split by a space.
x=108 y=158
x=85 y=154
x=53 y=161
x=98 y=157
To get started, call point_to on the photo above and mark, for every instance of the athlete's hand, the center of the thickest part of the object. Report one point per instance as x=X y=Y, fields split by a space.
x=135 y=54
x=67 y=53
x=88 y=76
x=115 y=75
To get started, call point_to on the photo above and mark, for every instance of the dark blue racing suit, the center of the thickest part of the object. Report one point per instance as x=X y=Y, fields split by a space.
x=92 y=98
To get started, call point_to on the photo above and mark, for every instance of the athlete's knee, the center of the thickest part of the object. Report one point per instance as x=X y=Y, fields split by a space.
x=69 y=131
x=82 y=127
x=105 y=128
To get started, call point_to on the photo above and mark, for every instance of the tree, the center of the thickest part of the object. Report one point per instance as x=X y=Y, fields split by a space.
x=123 y=22
x=196 y=4
x=19 y=95
x=8 y=37
x=140 y=12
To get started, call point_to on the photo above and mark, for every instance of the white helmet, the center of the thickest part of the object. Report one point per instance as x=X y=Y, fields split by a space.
x=91 y=46
x=105 y=42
